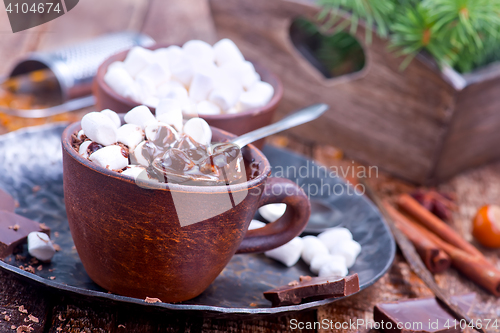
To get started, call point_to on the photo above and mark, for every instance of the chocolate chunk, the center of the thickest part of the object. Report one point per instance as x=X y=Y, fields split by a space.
x=7 y=202
x=420 y=315
x=315 y=289
x=9 y=237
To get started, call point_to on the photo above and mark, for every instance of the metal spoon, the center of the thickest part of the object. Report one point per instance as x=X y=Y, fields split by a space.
x=298 y=118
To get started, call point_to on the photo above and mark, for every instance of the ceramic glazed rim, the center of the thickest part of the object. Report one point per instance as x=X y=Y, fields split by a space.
x=273 y=103
x=265 y=170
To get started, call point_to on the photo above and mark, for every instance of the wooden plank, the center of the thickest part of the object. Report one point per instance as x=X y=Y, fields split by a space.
x=473 y=135
x=175 y=22
x=91 y=18
x=384 y=117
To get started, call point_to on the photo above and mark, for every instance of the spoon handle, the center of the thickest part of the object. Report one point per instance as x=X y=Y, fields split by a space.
x=298 y=118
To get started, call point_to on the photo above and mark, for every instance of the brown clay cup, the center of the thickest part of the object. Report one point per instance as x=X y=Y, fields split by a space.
x=130 y=240
x=238 y=123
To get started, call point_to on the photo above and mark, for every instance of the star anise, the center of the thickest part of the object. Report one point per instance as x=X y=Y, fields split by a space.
x=441 y=204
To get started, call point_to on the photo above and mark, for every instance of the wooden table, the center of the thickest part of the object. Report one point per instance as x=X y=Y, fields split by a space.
x=178 y=21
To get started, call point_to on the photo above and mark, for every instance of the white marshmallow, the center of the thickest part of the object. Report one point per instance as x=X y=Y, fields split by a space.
x=136 y=156
x=119 y=80
x=333 y=236
x=333 y=268
x=133 y=171
x=169 y=111
x=249 y=76
x=118 y=64
x=155 y=73
x=289 y=253
x=140 y=116
x=225 y=97
x=152 y=101
x=349 y=249
x=232 y=110
x=152 y=130
x=189 y=108
x=172 y=89
x=256 y=224
x=110 y=157
x=130 y=135
x=40 y=246
x=199 y=130
x=242 y=71
x=320 y=260
x=137 y=59
x=199 y=50
x=161 y=57
x=200 y=87
x=113 y=116
x=207 y=108
x=259 y=95
x=99 y=128
x=226 y=51
x=182 y=70
x=175 y=53
x=312 y=247
x=80 y=135
x=145 y=88
x=83 y=149
x=272 y=212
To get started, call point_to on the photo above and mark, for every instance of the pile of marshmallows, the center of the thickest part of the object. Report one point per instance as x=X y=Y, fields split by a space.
x=331 y=253
x=140 y=125
x=199 y=78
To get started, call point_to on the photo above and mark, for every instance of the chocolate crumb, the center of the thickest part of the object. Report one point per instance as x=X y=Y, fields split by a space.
x=20 y=257
x=52 y=278
x=33 y=318
x=24 y=329
x=22 y=309
x=44 y=227
x=6 y=318
x=253 y=304
x=56 y=247
x=30 y=269
x=36 y=188
x=15 y=227
x=34 y=261
x=305 y=278
x=293 y=283
x=152 y=300
x=21 y=268
x=39 y=268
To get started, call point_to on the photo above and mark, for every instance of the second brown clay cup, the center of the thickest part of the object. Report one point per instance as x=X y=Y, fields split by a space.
x=130 y=239
x=237 y=123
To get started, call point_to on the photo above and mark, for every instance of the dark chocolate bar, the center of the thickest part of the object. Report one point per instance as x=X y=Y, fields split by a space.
x=14 y=230
x=7 y=202
x=420 y=315
x=315 y=288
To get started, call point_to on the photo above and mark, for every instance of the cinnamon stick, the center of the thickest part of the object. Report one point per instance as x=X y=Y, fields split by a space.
x=477 y=269
x=434 y=224
x=434 y=258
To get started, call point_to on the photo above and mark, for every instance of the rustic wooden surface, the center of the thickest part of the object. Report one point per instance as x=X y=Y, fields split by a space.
x=74 y=314
x=412 y=123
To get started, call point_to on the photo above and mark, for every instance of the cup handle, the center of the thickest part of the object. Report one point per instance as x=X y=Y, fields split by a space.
x=291 y=224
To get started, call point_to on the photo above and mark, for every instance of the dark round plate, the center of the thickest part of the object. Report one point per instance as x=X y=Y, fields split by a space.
x=31 y=171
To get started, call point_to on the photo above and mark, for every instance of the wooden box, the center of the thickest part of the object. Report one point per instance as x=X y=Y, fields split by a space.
x=422 y=124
